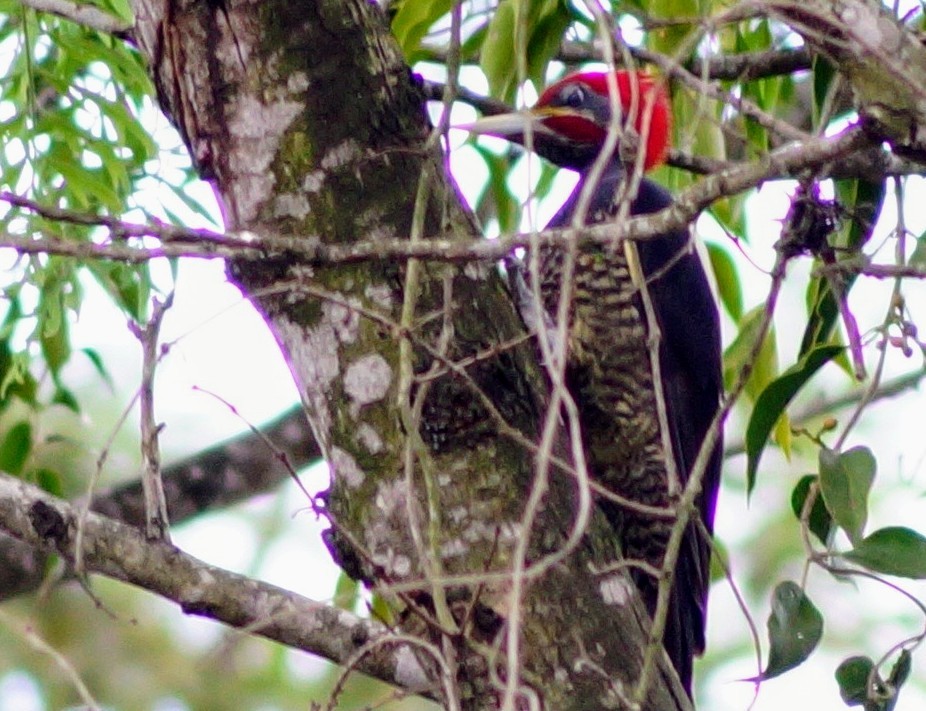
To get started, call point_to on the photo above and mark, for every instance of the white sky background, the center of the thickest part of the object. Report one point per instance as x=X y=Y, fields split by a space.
x=222 y=346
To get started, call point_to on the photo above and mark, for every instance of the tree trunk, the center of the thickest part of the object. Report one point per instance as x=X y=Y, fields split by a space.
x=423 y=394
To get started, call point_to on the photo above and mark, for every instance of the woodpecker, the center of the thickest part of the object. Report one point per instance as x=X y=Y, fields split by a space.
x=609 y=369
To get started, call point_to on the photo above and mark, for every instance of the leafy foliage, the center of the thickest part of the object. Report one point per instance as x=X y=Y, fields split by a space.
x=76 y=118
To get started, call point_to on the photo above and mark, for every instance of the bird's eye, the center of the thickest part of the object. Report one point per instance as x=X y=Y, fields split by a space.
x=574 y=97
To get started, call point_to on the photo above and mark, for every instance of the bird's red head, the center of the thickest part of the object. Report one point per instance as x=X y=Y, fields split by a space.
x=578 y=108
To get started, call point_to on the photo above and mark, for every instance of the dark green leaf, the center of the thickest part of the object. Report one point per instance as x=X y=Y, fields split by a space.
x=852 y=676
x=901 y=671
x=15 y=448
x=65 y=397
x=127 y=285
x=771 y=404
x=860 y=684
x=863 y=198
x=820 y=522
x=894 y=550
x=823 y=74
x=54 y=337
x=845 y=482
x=794 y=629
x=546 y=38
x=823 y=311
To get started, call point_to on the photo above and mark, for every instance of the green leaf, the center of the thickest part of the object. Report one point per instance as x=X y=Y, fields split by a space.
x=820 y=522
x=49 y=481
x=65 y=397
x=918 y=258
x=823 y=310
x=736 y=357
x=845 y=482
x=99 y=366
x=795 y=627
x=728 y=283
x=497 y=58
x=346 y=592
x=864 y=199
x=15 y=378
x=550 y=21
x=381 y=610
x=901 y=671
x=54 y=336
x=894 y=550
x=771 y=404
x=413 y=20
x=497 y=194
x=823 y=75
x=15 y=448
x=860 y=684
x=129 y=286
x=852 y=675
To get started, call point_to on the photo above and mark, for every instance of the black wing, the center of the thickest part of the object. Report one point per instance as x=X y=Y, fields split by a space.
x=691 y=369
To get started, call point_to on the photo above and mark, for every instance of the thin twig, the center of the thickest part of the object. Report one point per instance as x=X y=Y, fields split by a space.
x=156 y=519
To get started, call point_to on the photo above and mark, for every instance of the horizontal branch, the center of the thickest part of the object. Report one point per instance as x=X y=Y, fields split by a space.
x=789 y=161
x=220 y=476
x=743 y=66
x=83 y=14
x=121 y=552
x=876 y=271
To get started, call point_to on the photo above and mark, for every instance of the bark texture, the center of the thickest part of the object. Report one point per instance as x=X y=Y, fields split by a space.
x=307 y=121
x=883 y=61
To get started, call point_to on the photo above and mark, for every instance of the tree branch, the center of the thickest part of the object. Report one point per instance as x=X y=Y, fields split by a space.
x=217 y=477
x=85 y=15
x=735 y=67
x=788 y=161
x=121 y=552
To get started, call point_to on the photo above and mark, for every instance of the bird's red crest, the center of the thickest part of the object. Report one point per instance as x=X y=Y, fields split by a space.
x=643 y=99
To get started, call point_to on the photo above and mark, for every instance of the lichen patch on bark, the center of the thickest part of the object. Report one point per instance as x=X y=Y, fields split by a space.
x=369 y=438
x=344 y=318
x=367 y=379
x=408 y=671
x=256 y=129
x=615 y=589
x=313 y=359
x=344 y=468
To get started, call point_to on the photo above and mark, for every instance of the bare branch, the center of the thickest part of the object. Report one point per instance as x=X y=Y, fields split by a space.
x=121 y=552
x=217 y=477
x=156 y=518
x=742 y=67
x=83 y=14
x=788 y=161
